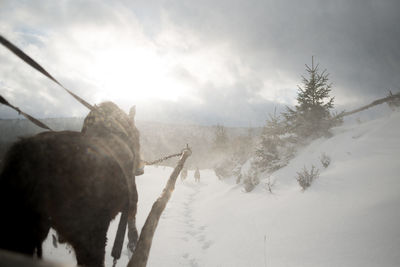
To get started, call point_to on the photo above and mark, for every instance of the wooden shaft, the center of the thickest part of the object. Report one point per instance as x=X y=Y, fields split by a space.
x=141 y=253
x=374 y=103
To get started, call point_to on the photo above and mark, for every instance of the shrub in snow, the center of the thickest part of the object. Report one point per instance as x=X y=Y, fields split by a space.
x=325 y=160
x=237 y=172
x=238 y=178
x=305 y=177
x=251 y=180
x=269 y=184
x=224 y=169
x=250 y=176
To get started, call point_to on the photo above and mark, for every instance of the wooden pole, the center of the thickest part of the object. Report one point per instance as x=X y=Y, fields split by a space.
x=374 y=103
x=141 y=253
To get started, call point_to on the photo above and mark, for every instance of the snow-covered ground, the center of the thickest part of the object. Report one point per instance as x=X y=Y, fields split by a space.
x=350 y=216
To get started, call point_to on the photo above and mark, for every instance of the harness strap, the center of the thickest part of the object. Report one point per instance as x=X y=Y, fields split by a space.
x=19 y=53
x=29 y=117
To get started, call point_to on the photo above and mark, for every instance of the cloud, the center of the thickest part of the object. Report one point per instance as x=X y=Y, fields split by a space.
x=356 y=41
x=228 y=62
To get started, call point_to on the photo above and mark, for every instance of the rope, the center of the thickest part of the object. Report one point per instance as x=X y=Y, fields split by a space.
x=31 y=62
x=29 y=117
x=162 y=159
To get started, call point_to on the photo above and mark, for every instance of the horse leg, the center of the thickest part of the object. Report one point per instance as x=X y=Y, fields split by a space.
x=42 y=230
x=90 y=246
x=132 y=230
x=24 y=227
x=24 y=233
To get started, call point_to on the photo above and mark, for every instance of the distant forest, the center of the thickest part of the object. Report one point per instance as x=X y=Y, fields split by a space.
x=157 y=139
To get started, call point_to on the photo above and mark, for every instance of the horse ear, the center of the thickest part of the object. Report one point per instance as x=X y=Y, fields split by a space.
x=132 y=113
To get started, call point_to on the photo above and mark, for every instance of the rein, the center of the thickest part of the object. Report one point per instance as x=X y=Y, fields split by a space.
x=29 y=117
x=31 y=62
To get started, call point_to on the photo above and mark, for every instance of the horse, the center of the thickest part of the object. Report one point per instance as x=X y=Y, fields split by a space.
x=74 y=182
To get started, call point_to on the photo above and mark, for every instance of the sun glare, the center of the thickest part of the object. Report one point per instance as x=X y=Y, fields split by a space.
x=136 y=74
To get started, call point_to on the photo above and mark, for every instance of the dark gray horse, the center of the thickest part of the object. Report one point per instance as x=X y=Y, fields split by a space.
x=75 y=182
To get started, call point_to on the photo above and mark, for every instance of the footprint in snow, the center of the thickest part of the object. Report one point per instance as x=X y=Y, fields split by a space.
x=193 y=263
x=207 y=245
x=192 y=233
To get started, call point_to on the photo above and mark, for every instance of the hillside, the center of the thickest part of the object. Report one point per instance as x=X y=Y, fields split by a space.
x=348 y=217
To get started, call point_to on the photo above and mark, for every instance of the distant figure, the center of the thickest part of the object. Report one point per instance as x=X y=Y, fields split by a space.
x=184 y=174
x=197 y=175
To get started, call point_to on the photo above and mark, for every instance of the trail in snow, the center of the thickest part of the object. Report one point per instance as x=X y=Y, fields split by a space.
x=195 y=234
x=191 y=233
x=180 y=228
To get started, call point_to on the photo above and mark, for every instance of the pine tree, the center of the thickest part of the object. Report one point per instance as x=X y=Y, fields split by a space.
x=269 y=150
x=242 y=147
x=312 y=118
x=221 y=139
x=223 y=164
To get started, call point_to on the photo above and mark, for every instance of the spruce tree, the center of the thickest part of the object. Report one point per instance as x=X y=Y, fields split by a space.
x=221 y=139
x=311 y=117
x=269 y=151
x=223 y=164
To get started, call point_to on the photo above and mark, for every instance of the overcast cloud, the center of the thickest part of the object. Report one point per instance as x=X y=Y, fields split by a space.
x=204 y=62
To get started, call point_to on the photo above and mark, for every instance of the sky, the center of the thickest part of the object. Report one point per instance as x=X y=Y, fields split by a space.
x=199 y=62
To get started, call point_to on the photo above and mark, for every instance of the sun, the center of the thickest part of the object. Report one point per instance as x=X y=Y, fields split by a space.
x=135 y=73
